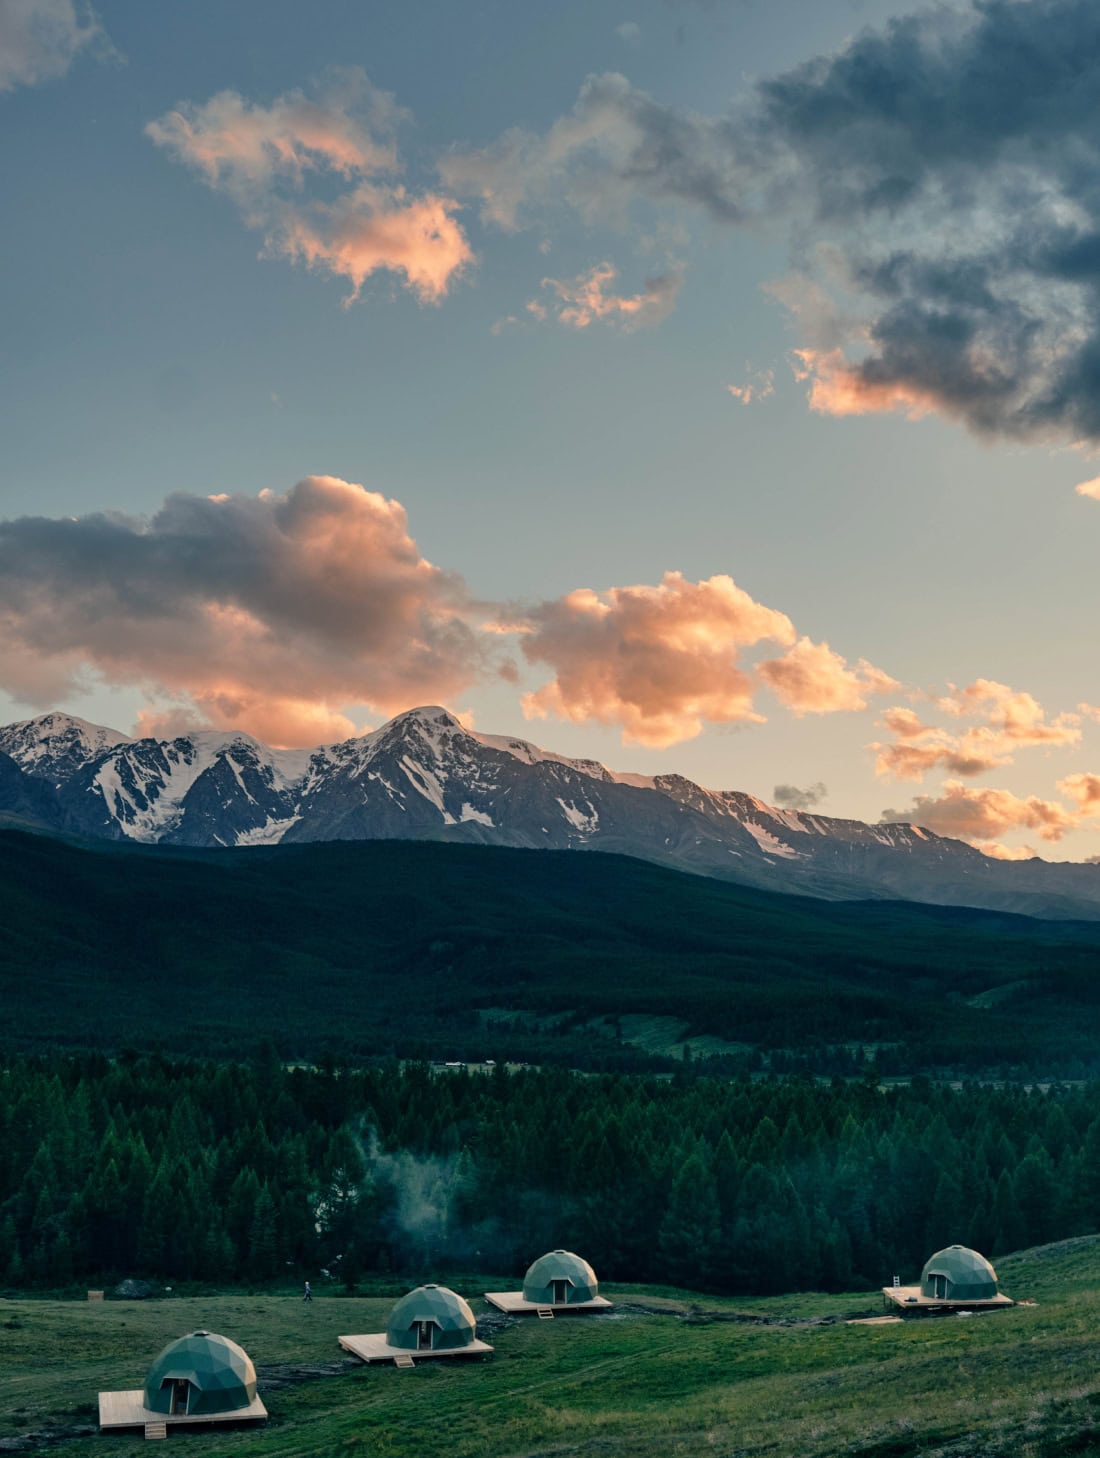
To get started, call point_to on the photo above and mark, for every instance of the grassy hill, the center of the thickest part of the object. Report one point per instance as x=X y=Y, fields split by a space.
x=370 y=948
x=668 y=1374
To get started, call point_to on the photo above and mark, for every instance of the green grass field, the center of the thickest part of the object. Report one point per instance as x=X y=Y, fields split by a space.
x=667 y=1374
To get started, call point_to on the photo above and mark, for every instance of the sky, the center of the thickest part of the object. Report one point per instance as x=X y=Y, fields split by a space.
x=708 y=386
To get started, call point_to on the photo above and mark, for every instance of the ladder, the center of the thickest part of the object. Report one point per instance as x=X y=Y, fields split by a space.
x=545 y=1314
x=404 y=1362
x=156 y=1430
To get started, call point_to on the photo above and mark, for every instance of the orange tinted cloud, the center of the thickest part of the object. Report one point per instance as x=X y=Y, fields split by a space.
x=1013 y=720
x=263 y=157
x=985 y=815
x=840 y=388
x=1090 y=489
x=1085 y=789
x=376 y=228
x=658 y=661
x=998 y=852
x=811 y=679
x=268 y=613
x=587 y=298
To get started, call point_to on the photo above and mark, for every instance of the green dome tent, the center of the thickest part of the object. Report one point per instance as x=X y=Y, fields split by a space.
x=958 y=1274
x=560 y=1278
x=199 y=1374
x=431 y=1318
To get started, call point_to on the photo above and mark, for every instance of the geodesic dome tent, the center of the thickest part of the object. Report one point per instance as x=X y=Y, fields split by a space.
x=431 y=1319
x=958 y=1274
x=201 y=1373
x=560 y=1278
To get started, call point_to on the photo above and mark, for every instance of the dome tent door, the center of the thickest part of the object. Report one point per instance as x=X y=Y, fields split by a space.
x=179 y=1395
x=560 y=1292
x=425 y=1335
x=938 y=1282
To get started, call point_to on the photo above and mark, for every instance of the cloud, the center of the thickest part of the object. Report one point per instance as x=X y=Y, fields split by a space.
x=1085 y=789
x=40 y=39
x=1091 y=489
x=586 y=299
x=984 y=815
x=998 y=852
x=268 y=613
x=792 y=798
x=615 y=145
x=265 y=159
x=1012 y=720
x=946 y=167
x=759 y=387
x=811 y=679
x=629 y=31
x=658 y=661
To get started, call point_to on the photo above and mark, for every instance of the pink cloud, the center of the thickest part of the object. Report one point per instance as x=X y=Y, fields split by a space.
x=264 y=158
x=268 y=613
x=998 y=852
x=1085 y=790
x=984 y=815
x=811 y=679
x=839 y=388
x=758 y=388
x=1091 y=489
x=586 y=299
x=376 y=228
x=658 y=661
x=1013 y=720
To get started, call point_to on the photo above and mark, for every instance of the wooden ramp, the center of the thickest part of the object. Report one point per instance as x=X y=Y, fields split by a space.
x=156 y=1430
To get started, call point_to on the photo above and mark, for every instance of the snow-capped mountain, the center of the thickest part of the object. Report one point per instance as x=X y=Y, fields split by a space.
x=423 y=776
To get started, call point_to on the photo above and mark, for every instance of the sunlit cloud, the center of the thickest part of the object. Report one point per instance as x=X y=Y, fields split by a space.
x=811 y=679
x=983 y=815
x=40 y=39
x=1084 y=789
x=584 y=300
x=1011 y=720
x=759 y=387
x=1091 y=489
x=659 y=662
x=998 y=852
x=269 y=613
x=265 y=157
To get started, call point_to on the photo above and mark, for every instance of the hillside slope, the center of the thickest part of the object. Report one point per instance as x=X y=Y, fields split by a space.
x=368 y=948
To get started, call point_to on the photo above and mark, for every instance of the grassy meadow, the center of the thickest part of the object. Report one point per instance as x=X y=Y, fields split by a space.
x=668 y=1373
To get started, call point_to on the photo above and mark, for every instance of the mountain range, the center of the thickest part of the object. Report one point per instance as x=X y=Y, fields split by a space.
x=424 y=776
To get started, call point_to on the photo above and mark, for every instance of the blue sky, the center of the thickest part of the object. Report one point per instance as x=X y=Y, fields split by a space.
x=909 y=501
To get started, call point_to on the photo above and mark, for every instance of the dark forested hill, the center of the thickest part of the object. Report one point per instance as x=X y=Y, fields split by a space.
x=474 y=952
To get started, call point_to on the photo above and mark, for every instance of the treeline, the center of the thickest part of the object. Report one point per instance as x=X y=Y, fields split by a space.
x=183 y=1171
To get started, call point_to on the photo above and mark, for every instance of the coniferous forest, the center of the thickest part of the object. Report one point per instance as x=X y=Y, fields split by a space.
x=253 y=1172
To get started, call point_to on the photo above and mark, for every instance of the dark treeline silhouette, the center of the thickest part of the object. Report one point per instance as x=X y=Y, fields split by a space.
x=248 y=1172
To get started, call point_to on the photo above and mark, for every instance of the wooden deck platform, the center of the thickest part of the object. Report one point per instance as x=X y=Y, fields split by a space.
x=513 y=1303
x=909 y=1298
x=375 y=1348
x=128 y=1410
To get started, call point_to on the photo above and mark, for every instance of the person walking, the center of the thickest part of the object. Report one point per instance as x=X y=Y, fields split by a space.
x=308 y=1296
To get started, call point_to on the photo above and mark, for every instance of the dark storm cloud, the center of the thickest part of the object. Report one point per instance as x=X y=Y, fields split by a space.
x=941 y=179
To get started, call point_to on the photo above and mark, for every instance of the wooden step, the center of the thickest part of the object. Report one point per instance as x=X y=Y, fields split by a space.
x=403 y=1362
x=156 y=1430
x=545 y=1314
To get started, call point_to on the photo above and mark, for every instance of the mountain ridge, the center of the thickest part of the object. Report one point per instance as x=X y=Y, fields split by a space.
x=424 y=776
